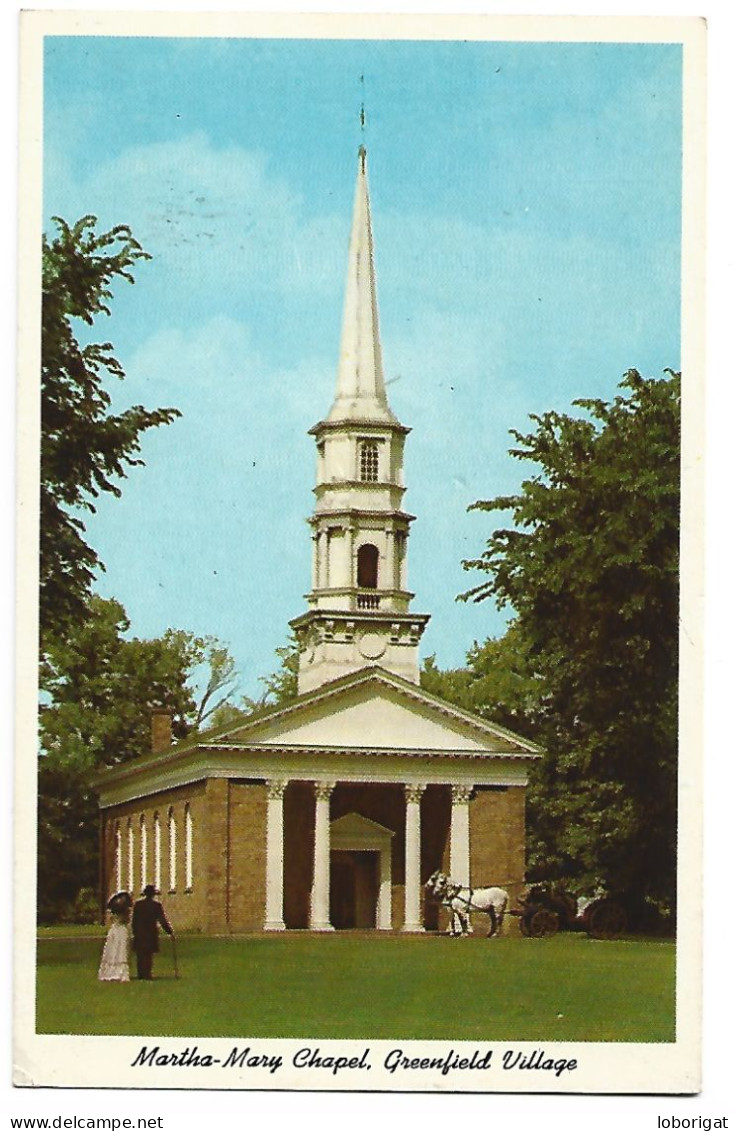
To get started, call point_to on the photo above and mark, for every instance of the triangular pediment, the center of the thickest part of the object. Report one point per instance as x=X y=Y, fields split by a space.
x=353 y=830
x=377 y=710
x=368 y=713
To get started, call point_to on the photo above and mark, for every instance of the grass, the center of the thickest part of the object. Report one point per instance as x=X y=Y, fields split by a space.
x=72 y=930
x=568 y=988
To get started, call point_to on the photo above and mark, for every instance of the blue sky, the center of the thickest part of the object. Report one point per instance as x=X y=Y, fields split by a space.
x=526 y=207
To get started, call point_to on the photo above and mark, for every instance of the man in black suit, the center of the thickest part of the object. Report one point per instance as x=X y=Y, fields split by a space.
x=148 y=916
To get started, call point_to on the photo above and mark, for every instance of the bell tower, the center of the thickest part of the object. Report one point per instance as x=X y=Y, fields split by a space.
x=359 y=602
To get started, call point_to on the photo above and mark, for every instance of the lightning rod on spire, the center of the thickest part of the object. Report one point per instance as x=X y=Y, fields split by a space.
x=362 y=123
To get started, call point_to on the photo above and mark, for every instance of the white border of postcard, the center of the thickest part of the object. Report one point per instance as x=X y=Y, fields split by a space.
x=90 y=1062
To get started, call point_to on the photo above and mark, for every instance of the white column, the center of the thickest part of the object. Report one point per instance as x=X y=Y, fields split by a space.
x=320 y=895
x=387 y=562
x=157 y=851
x=460 y=798
x=144 y=846
x=172 y=824
x=188 y=846
x=316 y=561
x=413 y=921
x=131 y=847
x=322 y=564
x=338 y=553
x=384 y=900
x=118 y=857
x=351 y=548
x=397 y=559
x=274 y=915
x=325 y=539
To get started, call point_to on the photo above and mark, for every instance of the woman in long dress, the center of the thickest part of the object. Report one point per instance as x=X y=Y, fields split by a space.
x=114 y=961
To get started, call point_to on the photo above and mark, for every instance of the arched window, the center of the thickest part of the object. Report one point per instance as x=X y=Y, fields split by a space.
x=118 y=857
x=369 y=461
x=144 y=848
x=172 y=850
x=157 y=851
x=131 y=856
x=188 y=847
x=367 y=566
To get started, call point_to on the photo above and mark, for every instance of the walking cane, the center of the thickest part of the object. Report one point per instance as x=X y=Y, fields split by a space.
x=174 y=955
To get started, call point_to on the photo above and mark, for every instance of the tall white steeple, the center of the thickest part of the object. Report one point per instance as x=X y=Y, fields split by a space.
x=360 y=391
x=359 y=602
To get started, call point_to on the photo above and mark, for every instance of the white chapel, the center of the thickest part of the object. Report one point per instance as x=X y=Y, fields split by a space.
x=329 y=813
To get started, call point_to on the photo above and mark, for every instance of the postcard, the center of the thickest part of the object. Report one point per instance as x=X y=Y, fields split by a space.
x=360 y=531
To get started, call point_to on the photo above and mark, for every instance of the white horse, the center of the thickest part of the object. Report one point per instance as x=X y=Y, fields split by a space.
x=441 y=889
x=461 y=901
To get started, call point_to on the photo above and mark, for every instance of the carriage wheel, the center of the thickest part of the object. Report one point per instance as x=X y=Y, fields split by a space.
x=543 y=922
x=539 y=922
x=607 y=920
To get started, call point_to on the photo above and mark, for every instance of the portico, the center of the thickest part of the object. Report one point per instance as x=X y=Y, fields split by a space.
x=354 y=833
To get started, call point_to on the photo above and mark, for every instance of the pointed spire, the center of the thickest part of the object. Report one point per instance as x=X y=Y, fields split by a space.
x=360 y=390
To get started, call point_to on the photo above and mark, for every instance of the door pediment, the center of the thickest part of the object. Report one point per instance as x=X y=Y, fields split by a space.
x=354 y=833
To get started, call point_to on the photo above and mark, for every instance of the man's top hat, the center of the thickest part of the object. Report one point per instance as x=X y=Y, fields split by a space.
x=149 y=890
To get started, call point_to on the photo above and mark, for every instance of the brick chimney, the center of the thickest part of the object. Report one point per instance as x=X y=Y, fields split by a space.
x=161 y=730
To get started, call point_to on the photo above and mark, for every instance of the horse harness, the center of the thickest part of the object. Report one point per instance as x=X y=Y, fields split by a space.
x=453 y=892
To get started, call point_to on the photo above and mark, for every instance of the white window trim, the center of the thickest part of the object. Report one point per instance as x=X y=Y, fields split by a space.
x=172 y=828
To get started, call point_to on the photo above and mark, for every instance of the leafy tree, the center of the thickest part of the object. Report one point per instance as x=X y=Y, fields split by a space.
x=590 y=566
x=98 y=691
x=280 y=687
x=498 y=683
x=229 y=715
x=85 y=447
x=67 y=854
x=213 y=672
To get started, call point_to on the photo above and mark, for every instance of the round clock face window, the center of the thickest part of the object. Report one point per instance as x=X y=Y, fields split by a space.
x=372 y=645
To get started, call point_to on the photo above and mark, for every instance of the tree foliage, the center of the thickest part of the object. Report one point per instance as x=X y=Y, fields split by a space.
x=98 y=688
x=498 y=683
x=280 y=687
x=85 y=448
x=590 y=565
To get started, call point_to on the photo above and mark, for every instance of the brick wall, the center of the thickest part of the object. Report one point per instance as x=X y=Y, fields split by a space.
x=185 y=904
x=215 y=855
x=497 y=834
x=247 y=807
x=228 y=857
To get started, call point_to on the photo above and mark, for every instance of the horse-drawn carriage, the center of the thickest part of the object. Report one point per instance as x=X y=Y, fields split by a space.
x=548 y=907
x=544 y=909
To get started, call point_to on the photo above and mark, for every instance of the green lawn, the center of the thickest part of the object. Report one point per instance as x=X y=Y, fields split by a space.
x=568 y=988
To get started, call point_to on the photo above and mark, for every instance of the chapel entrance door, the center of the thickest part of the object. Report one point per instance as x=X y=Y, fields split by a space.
x=360 y=874
x=354 y=889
